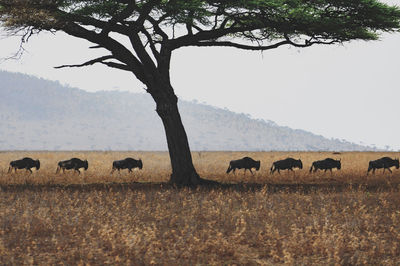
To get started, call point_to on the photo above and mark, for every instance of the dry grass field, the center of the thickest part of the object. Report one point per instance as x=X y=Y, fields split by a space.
x=294 y=218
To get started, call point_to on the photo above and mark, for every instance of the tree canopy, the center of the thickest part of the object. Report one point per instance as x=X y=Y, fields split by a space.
x=244 y=24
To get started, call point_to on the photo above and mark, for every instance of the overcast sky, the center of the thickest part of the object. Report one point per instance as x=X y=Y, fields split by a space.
x=348 y=92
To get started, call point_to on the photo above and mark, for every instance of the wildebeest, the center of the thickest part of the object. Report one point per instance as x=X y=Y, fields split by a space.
x=127 y=163
x=384 y=162
x=327 y=164
x=286 y=164
x=73 y=163
x=25 y=163
x=245 y=162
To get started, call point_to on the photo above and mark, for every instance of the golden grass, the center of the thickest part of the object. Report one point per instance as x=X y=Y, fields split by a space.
x=96 y=218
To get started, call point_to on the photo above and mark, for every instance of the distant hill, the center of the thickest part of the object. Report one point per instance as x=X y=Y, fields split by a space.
x=37 y=114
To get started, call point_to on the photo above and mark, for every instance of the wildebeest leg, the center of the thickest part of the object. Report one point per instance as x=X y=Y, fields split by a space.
x=251 y=171
x=291 y=169
x=79 y=172
x=9 y=170
x=29 y=169
x=58 y=169
x=389 y=170
x=279 y=171
x=229 y=169
x=130 y=170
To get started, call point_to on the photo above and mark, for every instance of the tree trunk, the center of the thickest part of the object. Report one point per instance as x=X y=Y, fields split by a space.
x=183 y=171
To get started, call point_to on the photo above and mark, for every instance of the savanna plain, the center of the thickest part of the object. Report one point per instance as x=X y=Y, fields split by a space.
x=295 y=218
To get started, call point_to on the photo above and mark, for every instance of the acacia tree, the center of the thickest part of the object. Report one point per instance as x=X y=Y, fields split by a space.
x=155 y=28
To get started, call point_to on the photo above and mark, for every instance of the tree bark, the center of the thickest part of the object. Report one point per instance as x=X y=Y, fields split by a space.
x=183 y=171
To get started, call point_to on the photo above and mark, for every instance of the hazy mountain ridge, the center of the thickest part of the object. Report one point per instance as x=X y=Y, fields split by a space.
x=36 y=114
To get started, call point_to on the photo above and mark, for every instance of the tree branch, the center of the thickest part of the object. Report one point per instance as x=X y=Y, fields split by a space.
x=157 y=28
x=119 y=51
x=141 y=52
x=119 y=17
x=151 y=43
x=103 y=25
x=88 y=63
x=101 y=61
x=117 y=65
x=144 y=13
x=193 y=40
x=259 y=47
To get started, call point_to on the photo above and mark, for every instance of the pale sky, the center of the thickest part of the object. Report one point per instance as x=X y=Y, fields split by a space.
x=348 y=92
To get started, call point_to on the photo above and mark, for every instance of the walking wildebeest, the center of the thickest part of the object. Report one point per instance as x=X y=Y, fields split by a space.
x=129 y=163
x=327 y=164
x=245 y=162
x=288 y=163
x=25 y=163
x=384 y=162
x=73 y=163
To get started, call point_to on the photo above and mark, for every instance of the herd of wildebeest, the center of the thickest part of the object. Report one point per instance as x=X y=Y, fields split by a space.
x=327 y=164
x=245 y=163
x=73 y=163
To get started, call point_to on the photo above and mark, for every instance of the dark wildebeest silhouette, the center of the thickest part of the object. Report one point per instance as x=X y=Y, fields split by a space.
x=73 y=163
x=384 y=162
x=25 y=163
x=127 y=163
x=245 y=162
x=327 y=164
x=286 y=164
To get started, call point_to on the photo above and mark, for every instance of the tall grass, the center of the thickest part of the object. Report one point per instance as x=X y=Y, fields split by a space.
x=98 y=218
